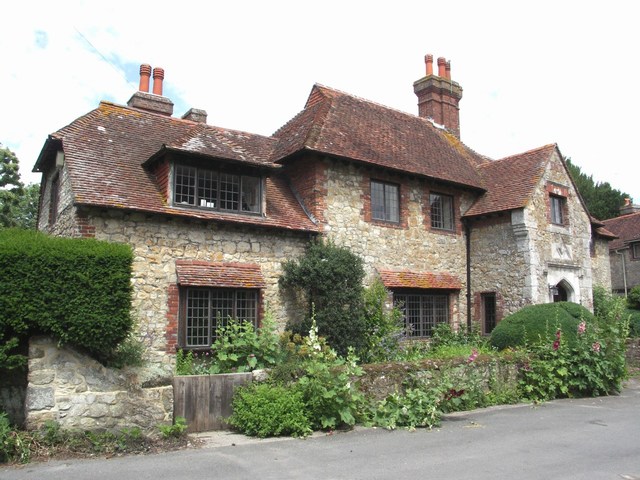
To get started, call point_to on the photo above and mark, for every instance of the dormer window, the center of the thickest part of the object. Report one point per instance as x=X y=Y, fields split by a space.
x=217 y=190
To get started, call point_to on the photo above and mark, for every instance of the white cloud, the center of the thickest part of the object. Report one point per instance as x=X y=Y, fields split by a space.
x=533 y=73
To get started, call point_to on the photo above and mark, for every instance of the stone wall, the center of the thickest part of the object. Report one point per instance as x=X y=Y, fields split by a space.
x=76 y=391
x=411 y=245
x=601 y=265
x=158 y=242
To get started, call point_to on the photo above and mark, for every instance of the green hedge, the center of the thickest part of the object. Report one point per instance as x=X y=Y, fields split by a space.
x=535 y=322
x=77 y=290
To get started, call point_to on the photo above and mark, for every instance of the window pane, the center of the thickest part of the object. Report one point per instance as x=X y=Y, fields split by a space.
x=251 y=194
x=377 y=201
x=636 y=250
x=246 y=306
x=556 y=210
x=222 y=302
x=197 y=321
x=207 y=188
x=441 y=211
x=185 y=185
x=489 y=306
x=392 y=212
x=229 y=191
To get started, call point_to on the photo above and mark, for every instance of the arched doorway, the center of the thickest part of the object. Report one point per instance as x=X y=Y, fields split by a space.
x=562 y=292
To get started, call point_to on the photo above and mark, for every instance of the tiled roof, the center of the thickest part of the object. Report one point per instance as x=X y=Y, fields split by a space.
x=511 y=181
x=105 y=151
x=195 y=273
x=342 y=125
x=626 y=227
x=425 y=280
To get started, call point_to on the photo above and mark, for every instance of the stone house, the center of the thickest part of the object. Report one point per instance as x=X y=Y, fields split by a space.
x=213 y=213
x=625 y=249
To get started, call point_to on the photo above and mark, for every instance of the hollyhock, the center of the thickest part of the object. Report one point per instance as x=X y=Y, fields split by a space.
x=582 y=328
x=596 y=347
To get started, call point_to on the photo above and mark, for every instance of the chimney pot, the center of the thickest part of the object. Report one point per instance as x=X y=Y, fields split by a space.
x=158 y=76
x=441 y=67
x=428 y=59
x=145 y=73
x=447 y=70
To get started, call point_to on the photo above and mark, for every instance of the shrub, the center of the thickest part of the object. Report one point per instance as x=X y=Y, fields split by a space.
x=634 y=322
x=329 y=279
x=267 y=410
x=14 y=445
x=633 y=298
x=77 y=290
x=384 y=327
x=175 y=430
x=415 y=408
x=535 y=322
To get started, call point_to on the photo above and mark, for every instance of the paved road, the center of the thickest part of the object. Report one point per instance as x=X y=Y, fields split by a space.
x=566 y=439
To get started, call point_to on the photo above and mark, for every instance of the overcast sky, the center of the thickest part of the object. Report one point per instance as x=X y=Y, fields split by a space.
x=533 y=72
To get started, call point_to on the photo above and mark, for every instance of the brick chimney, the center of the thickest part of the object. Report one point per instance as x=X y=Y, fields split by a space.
x=152 y=102
x=628 y=207
x=438 y=95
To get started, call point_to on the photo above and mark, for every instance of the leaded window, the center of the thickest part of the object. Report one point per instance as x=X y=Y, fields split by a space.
x=441 y=211
x=199 y=187
x=422 y=312
x=557 y=209
x=385 y=201
x=207 y=309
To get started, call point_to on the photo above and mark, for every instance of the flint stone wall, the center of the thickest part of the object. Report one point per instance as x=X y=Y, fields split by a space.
x=78 y=392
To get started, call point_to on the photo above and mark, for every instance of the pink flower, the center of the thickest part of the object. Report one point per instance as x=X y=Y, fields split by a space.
x=582 y=328
x=558 y=335
x=556 y=344
x=473 y=356
x=596 y=347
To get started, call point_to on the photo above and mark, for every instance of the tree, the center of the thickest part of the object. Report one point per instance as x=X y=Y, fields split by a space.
x=11 y=188
x=330 y=279
x=602 y=200
x=18 y=204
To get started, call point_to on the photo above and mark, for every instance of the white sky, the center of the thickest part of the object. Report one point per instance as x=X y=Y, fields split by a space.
x=533 y=72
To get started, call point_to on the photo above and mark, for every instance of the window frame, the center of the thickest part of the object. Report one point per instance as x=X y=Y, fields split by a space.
x=197 y=190
x=489 y=312
x=557 y=205
x=208 y=323
x=438 y=220
x=387 y=203
x=635 y=251
x=426 y=321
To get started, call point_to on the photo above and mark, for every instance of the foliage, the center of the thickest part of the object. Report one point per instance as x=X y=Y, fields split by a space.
x=129 y=353
x=532 y=323
x=266 y=409
x=77 y=290
x=329 y=280
x=384 y=326
x=24 y=214
x=634 y=322
x=175 y=430
x=51 y=439
x=633 y=298
x=594 y=364
x=415 y=408
x=601 y=199
x=11 y=188
x=239 y=347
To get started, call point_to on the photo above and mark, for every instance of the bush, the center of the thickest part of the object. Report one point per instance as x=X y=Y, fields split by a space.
x=634 y=322
x=267 y=410
x=633 y=298
x=384 y=327
x=329 y=279
x=77 y=290
x=533 y=323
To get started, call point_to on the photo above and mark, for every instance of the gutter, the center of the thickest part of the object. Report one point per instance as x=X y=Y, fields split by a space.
x=467 y=232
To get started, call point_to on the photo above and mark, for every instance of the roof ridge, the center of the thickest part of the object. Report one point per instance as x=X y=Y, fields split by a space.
x=527 y=152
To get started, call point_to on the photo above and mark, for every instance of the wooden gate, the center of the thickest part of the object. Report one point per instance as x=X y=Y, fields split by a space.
x=205 y=400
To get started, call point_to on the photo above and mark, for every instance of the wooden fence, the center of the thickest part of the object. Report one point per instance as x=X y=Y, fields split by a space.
x=205 y=400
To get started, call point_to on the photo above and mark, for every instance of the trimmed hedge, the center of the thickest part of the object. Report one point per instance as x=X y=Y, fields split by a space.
x=535 y=322
x=77 y=290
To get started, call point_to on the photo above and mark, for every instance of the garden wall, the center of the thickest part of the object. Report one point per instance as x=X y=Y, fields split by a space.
x=68 y=387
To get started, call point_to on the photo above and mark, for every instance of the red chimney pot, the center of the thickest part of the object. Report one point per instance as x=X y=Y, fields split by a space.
x=441 y=67
x=158 y=76
x=428 y=59
x=145 y=73
x=447 y=70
